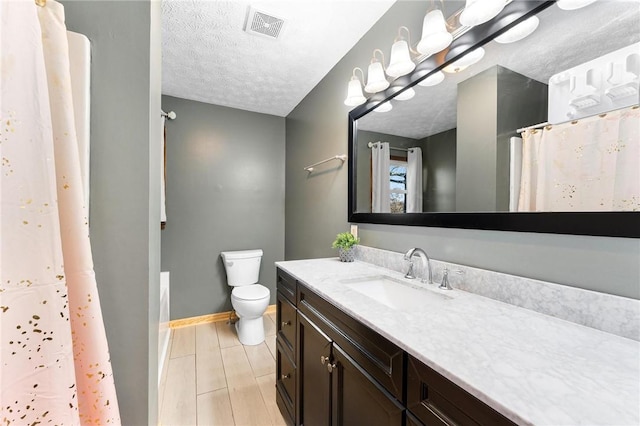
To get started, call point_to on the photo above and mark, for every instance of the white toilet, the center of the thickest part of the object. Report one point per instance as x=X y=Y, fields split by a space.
x=248 y=298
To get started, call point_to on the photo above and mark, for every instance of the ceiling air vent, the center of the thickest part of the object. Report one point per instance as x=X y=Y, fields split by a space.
x=263 y=24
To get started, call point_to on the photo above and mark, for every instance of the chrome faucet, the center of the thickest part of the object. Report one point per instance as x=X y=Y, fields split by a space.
x=425 y=262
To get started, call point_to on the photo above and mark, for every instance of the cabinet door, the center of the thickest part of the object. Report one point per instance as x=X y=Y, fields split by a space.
x=315 y=379
x=357 y=398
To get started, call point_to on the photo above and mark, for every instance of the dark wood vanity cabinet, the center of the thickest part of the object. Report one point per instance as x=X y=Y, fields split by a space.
x=331 y=369
x=334 y=370
x=286 y=347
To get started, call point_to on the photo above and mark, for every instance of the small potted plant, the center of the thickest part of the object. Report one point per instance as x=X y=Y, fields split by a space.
x=345 y=243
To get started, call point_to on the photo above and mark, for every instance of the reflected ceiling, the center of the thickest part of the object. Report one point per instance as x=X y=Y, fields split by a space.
x=563 y=40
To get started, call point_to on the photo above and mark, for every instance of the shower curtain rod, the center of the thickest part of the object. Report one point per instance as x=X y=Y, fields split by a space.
x=537 y=126
x=169 y=115
x=370 y=145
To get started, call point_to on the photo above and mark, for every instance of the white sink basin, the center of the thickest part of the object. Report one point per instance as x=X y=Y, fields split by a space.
x=395 y=293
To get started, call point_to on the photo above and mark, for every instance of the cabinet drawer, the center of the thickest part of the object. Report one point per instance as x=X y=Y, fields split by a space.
x=285 y=382
x=286 y=322
x=287 y=285
x=383 y=360
x=435 y=400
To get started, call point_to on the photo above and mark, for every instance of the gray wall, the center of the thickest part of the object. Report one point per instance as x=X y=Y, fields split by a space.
x=125 y=215
x=522 y=100
x=476 y=142
x=316 y=208
x=439 y=153
x=492 y=105
x=225 y=191
x=316 y=205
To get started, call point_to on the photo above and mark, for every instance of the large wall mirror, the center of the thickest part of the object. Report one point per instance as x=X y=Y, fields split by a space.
x=538 y=135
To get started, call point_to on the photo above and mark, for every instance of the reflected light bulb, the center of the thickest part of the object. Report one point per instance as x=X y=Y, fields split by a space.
x=520 y=31
x=406 y=95
x=432 y=80
x=466 y=61
x=573 y=4
x=385 y=107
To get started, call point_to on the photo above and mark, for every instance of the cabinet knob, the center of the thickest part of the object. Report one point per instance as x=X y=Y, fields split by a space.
x=324 y=359
x=286 y=323
x=285 y=376
x=331 y=367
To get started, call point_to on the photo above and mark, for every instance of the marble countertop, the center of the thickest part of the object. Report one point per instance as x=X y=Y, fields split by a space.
x=533 y=368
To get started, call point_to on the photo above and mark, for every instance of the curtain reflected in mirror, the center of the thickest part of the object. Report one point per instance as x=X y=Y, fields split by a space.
x=380 y=178
x=589 y=165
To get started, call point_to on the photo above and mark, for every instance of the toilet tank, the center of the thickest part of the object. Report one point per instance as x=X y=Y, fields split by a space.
x=243 y=267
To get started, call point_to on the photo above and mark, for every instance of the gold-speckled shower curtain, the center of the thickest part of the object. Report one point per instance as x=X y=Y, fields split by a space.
x=585 y=165
x=54 y=359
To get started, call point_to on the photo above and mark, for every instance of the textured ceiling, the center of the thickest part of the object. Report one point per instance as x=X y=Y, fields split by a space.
x=563 y=40
x=208 y=57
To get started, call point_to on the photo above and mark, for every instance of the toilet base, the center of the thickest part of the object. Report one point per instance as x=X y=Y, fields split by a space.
x=250 y=331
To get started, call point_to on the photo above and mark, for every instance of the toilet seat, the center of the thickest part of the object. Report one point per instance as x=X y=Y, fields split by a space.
x=250 y=292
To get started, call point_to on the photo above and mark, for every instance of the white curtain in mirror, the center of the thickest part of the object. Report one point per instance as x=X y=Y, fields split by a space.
x=414 y=180
x=515 y=172
x=585 y=165
x=380 y=191
x=163 y=173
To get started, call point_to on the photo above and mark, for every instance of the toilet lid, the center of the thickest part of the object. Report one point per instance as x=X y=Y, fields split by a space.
x=250 y=292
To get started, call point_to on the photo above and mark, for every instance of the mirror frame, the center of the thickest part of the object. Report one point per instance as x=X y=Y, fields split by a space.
x=612 y=224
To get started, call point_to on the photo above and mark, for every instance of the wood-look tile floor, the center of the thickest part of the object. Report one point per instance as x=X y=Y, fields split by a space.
x=212 y=379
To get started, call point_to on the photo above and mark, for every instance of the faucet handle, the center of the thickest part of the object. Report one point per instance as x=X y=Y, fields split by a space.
x=409 y=273
x=445 y=280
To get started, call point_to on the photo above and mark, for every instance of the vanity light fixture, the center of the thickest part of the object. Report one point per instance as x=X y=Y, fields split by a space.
x=435 y=36
x=400 y=63
x=478 y=12
x=520 y=31
x=573 y=4
x=406 y=95
x=376 y=80
x=466 y=61
x=354 y=91
x=385 y=107
x=432 y=80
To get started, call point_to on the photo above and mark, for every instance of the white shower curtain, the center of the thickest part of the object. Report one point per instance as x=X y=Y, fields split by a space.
x=54 y=359
x=380 y=163
x=163 y=173
x=589 y=165
x=515 y=172
x=414 y=180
